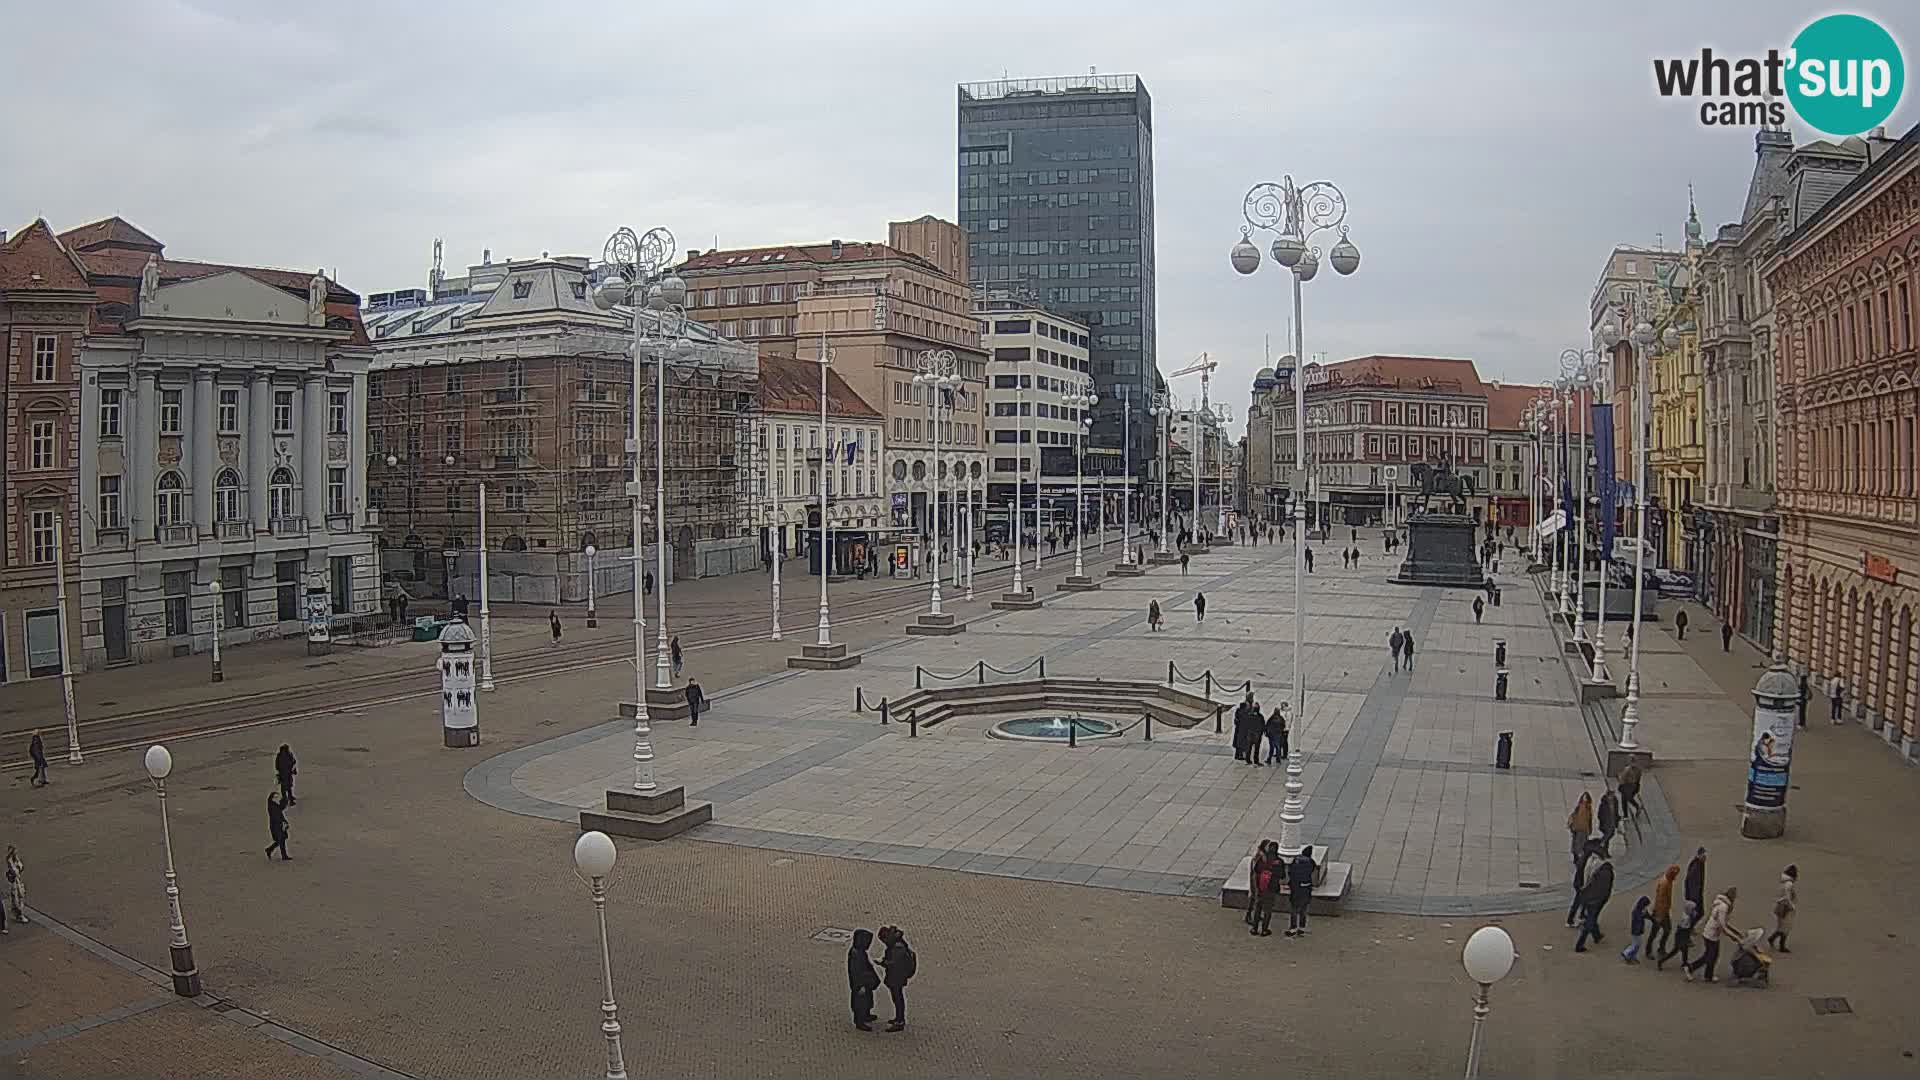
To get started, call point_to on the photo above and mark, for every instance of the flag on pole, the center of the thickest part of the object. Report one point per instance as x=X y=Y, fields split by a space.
x=1608 y=479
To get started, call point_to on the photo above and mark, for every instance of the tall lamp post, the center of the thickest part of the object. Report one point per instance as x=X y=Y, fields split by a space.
x=1162 y=409
x=486 y=611
x=1642 y=337
x=214 y=588
x=1082 y=402
x=593 y=616
x=1577 y=366
x=775 y=518
x=1488 y=956
x=1563 y=395
x=1296 y=216
x=593 y=856
x=186 y=977
x=935 y=369
x=1126 y=477
x=74 y=757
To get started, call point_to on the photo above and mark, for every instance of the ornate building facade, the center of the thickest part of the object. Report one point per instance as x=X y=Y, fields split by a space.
x=1844 y=283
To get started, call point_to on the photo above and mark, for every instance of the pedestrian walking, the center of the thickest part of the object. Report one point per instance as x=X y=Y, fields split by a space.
x=17 y=885
x=675 y=656
x=1397 y=641
x=1682 y=939
x=1153 y=615
x=1636 y=929
x=1309 y=553
x=1346 y=556
x=1199 y=607
x=1805 y=696
x=1356 y=558
x=1726 y=637
x=1301 y=873
x=277 y=825
x=1580 y=823
x=37 y=750
x=1183 y=564
x=1660 y=915
x=1784 y=906
x=284 y=766
x=1837 y=691
x=1582 y=855
x=1479 y=607
x=1276 y=730
x=1593 y=898
x=1694 y=885
x=1680 y=623
x=1630 y=792
x=1717 y=928
x=1406 y=646
x=696 y=701
x=1609 y=821
x=901 y=965
x=1269 y=873
x=862 y=980
x=553 y=626
x=646 y=583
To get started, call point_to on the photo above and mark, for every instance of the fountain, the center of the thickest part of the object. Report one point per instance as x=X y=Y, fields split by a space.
x=1053 y=729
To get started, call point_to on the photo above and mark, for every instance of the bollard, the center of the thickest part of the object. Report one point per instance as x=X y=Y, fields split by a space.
x=1073 y=728
x=1043 y=667
x=1169 y=673
x=1217 y=710
x=913 y=725
x=916 y=676
x=1500 y=685
x=883 y=710
x=1209 y=680
x=1499 y=653
x=1149 y=716
x=859 y=699
x=1503 y=751
x=980 y=670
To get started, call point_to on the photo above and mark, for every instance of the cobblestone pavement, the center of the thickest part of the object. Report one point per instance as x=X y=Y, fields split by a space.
x=442 y=938
x=1401 y=777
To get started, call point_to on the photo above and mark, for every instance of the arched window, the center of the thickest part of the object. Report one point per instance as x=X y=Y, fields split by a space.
x=170 y=504
x=280 y=494
x=226 y=496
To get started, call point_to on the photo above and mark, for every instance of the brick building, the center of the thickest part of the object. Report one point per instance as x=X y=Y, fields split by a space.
x=1844 y=284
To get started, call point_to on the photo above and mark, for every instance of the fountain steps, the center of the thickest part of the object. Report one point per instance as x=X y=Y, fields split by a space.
x=1115 y=698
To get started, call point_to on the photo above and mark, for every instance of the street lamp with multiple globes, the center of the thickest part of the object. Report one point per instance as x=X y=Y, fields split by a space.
x=1487 y=956
x=593 y=856
x=1577 y=365
x=1296 y=216
x=936 y=371
x=1082 y=402
x=1126 y=477
x=774 y=518
x=1161 y=408
x=637 y=273
x=214 y=588
x=1563 y=464
x=186 y=977
x=1642 y=337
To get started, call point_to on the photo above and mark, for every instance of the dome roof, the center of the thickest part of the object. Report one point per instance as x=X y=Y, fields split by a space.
x=1264 y=378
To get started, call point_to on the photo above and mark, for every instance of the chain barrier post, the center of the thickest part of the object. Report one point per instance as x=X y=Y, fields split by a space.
x=916 y=676
x=913 y=725
x=883 y=711
x=981 y=671
x=1149 y=715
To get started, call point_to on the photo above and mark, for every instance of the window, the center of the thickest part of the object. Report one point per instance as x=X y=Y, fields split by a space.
x=109 y=502
x=169 y=412
x=170 y=501
x=40 y=444
x=46 y=351
x=780 y=437
x=110 y=413
x=280 y=494
x=233 y=597
x=177 y=585
x=286 y=589
x=776 y=327
x=226 y=496
x=455 y=434
x=775 y=294
x=229 y=412
x=753 y=294
x=337 y=412
x=283 y=411
x=336 y=491
x=732 y=296
x=516 y=495
x=40 y=529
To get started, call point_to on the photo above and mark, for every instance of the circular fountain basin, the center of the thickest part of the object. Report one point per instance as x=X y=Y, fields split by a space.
x=1053 y=729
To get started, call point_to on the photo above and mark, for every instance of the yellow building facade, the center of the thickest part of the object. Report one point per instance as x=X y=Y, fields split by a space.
x=1677 y=448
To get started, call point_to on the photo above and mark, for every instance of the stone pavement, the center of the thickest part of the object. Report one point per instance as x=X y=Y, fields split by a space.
x=441 y=938
x=1400 y=773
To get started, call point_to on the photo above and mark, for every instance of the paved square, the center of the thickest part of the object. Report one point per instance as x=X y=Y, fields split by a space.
x=1399 y=772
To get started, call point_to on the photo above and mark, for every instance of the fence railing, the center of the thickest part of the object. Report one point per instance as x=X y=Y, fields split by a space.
x=978 y=671
x=1207 y=678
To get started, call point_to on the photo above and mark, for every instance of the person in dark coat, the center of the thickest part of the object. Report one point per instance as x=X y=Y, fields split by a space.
x=646 y=583
x=1397 y=642
x=1682 y=939
x=553 y=626
x=1309 y=552
x=277 y=824
x=1726 y=637
x=1806 y=694
x=901 y=966
x=1264 y=875
x=1593 y=897
x=1479 y=608
x=1694 y=884
x=37 y=750
x=283 y=768
x=1300 y=874
x=862 y=980
x=1406 y=645
x=1276 y=731
x=1582 y=856
x=1680 y=623
x=1199 y=607
x=696 y=700
x=1609 y=821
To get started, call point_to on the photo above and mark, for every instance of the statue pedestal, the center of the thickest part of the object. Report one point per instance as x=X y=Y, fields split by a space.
x=1440 y=552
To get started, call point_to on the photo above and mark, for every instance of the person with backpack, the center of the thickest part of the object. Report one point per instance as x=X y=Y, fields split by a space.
x=1609 y=820
x=1263 y=885
x=1300 y=874
x=862 y=980
x=901 y=965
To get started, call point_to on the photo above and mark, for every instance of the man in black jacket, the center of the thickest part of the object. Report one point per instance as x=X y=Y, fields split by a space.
x=862 y=979
x=1300 y=874
x=1695 y=883
x=1594 y=896
x=901 y=965
x=696 y=700
x=283 y=769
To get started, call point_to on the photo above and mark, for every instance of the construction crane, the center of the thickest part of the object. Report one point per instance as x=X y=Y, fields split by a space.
x=1204 y=364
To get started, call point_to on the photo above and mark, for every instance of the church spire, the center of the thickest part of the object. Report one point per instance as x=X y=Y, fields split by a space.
x=1693 y=220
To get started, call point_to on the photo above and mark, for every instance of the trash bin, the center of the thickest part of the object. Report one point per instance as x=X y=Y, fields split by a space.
x=1503 y=752
x=1499 y=653
x=1500 y=685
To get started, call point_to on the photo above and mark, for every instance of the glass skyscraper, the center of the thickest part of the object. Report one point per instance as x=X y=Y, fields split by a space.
x=1056 y=197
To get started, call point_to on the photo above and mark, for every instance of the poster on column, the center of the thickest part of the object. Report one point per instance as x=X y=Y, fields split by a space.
x=1769 y=758
x=457 y=707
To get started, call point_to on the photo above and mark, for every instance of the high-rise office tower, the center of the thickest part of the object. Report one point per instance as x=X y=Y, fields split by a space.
x=1056 y=197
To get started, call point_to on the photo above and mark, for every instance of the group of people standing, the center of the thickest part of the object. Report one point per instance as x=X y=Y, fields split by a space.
x=1272 y=871
x=900 y=963
x=1250 y=725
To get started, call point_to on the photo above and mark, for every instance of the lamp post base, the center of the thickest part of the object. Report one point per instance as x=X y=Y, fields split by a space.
x=186 y=977
x=1759 y=824
x=824 y=658
x=593 y=620
x=218 y=675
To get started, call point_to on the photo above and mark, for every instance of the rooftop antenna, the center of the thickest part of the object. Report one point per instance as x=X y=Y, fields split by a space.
x=435 y=276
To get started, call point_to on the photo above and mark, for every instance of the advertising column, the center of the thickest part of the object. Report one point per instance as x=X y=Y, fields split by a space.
x=1763 y=815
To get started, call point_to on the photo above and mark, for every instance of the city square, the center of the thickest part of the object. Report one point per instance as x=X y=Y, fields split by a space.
x=543 y=580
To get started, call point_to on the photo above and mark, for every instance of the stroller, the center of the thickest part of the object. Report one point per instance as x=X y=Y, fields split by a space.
x=1751 y=961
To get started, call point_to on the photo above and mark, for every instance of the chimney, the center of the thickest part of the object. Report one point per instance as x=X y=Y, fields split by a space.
x=486 y=256
x=693 y=253
x=836 y=249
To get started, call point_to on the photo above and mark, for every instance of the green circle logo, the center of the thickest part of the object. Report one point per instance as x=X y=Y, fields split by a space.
x=1846 y=74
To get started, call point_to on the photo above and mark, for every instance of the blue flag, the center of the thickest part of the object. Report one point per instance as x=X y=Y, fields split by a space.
x=1608 y=480
x=1566 y=479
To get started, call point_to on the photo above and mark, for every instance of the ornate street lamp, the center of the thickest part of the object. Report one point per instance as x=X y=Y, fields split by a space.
x=936 y=369
x=1642 y=337
x=593 y=856
x=1488 y=956
x=1082 y=402
x=186 y=977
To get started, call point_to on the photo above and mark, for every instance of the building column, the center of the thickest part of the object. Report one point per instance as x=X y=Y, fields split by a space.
x=313 y=450
x=259 y=448
x=357 y=452
x=143 y=452
x=202 y=426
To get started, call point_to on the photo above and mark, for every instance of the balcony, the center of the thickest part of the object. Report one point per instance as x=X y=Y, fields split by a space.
x=110 y=538
x=289 y=526
x=511 y=461
x=176 y=535
x=340 y=523
x=234 y=530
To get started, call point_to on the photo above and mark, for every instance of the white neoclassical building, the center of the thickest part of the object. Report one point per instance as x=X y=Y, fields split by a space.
x=223 y=440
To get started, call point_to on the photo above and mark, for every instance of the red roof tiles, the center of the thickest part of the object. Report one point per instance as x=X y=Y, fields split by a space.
x=34 y=259
x=113 y=232
x=1438 y=373
x=1505 y=404
x=793 y=386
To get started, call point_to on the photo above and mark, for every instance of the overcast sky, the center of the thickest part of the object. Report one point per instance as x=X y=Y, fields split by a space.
x=1491 y=154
